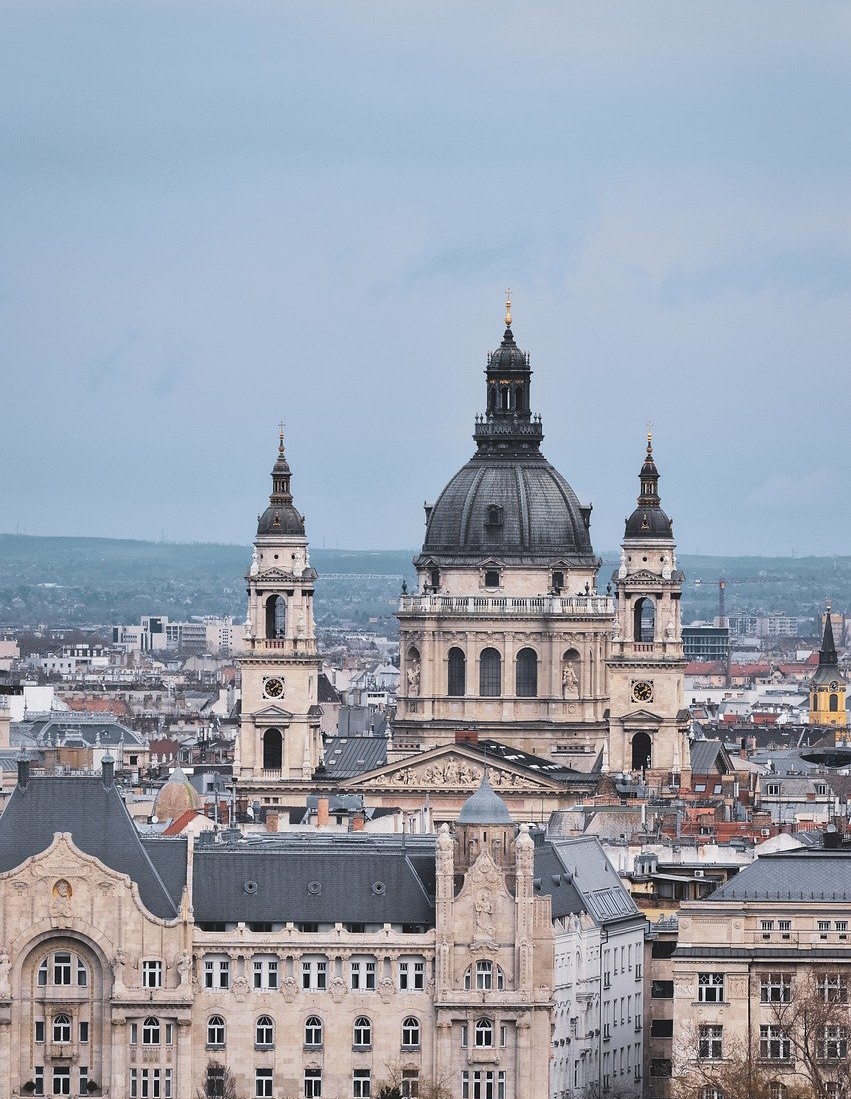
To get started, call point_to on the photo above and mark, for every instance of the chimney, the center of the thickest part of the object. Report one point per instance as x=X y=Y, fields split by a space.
x=322 y=813
x=23 y=771
x=466 y=736
x=108 y=770
x=358 y=821
x=271 y=820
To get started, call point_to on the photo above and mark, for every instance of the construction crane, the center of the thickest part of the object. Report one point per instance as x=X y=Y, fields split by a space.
x=722 y=587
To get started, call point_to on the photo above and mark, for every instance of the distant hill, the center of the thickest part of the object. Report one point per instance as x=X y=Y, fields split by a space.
x=83 y=581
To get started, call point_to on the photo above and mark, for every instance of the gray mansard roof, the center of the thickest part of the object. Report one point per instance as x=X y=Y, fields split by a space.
x=100 y=825
x=789 y=876
x=579 y=878
x=316 y=879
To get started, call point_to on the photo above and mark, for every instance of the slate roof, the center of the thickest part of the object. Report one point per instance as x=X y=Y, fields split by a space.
x=315 y=879
x=707 y=756
x=347 y=756
x=100 y=825
x=587 y=881
x=61 y=728
x=806 y=874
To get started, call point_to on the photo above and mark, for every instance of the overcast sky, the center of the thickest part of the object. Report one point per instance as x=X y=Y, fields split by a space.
x=215 y=216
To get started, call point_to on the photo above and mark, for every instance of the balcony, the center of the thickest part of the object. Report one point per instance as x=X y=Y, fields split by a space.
x=506 y=606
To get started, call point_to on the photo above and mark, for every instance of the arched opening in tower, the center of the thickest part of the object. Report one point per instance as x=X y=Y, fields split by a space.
x=273 y=750
x=641 y=746
x=276 y=616
x=644 y=620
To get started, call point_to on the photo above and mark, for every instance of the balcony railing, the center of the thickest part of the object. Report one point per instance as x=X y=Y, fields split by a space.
x=573 y=606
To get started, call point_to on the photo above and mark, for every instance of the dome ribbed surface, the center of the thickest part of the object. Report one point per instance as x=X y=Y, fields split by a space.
x=539 y=516
x=648 y=522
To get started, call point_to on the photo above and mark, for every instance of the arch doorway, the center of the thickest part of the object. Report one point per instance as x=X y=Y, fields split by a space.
x=641 y=751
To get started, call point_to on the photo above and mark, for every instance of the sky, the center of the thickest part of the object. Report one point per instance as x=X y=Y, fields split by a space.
x=215 y=216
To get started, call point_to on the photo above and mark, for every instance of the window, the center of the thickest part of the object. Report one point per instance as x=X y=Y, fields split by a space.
x=264 y=1031
x=484 y=1033
x=660 y=1066
x=784 y=925
x=772 y=789
x=710 y=988
x=84 y=1032
x=313 y=1031
x=362 y=975
x=62 y=970
x=265 y=974
x=709 y=1043
x=62 y=1081
x=775 y=988
x=215 y=1081
x=841 y=925
x=766 y=925
x=153 y=1083
x=312 y=1083
x=491 y=578
x=833 y=988
x=82 y=973
x=662 y=990
x=262 y=1083
x=362 y=1032
x=62 y=1028
x=84 y=1079
x=774 y=1043
x=411 y=1032
x=215 y=1031
x=152 y=974
x=490 y=673
x=482 y=1084
x=409 y=1085
x=216 y=972
x=362 y=1083
x=39 y=1030
x=661 y=1028
x=41 y=978
x=411 y=974
x=487 y=977
x=824 y=925
x=151 y=1031
x=527 y=673
x=314 y=974
x=457 y=684
x=833 y=1043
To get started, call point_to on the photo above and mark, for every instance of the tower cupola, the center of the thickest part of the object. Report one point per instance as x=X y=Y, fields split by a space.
x=649 y=520
x=280 y=517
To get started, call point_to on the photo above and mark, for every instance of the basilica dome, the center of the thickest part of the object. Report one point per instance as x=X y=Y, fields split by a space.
x=508 y=502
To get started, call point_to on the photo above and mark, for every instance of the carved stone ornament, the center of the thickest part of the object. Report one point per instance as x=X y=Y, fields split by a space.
x=289 y=989
x=338 y=990
x=386 y=990
x=240 y=989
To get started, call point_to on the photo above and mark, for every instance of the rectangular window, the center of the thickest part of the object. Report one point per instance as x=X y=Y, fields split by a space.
x=774 y=1044
x=841 y=925
x=312 y=1083
x=662 y=990
x=61 y=971
x=62 y=1080
x=710 y=988
x=167 y=1084
x=38 y=1079
x=84 y=1032
x=766 y=925
x=152 y=974
x=661 y=1028
x=262 y=1083
x=483 y=1084
x=84 y=1079
x=833 y=1043
x=411 y=975
x=314 y=974
x=775 y=988
x=217 y=973
x=660 y=1067
x=824 y=925
x=709 y=1043
x=361 y=1083
x=39 y=1030
x=784 y=925
x=409 y=1085
x=362 y=975
x=833 y=988
x=266 y=974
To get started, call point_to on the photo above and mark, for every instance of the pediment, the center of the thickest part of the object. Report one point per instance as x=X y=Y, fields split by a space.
x=450 y=767
x=644 y=576
x=271 y=714
x=641 y=717
x=275 y=573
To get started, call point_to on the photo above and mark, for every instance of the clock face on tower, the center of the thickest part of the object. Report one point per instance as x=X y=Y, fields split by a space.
x=273 y=687
x=642 y=691
x=834 y=686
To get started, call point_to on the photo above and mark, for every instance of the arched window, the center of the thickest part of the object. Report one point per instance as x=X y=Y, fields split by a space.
x=362 y=1035
x=411 y=1032
x=457 y=672
x=833 y=704
x=215 y=1031
x=484 y=1033
x=486 y=975
x=264 y=1031
x=273 y=750
x=490 y=673
x=313 y=1031
x=527 y=673
x=641 y=745
x=644 y=620
x=276 y=616
x=519 y=402
x=151 y=1031
x=62 y=1028
x=491 y=398
x=41 y=978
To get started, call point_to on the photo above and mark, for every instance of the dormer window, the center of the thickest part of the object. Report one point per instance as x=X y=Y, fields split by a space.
x=434 y=575
x=493 y=515
x=558 y=582
x=491 y=578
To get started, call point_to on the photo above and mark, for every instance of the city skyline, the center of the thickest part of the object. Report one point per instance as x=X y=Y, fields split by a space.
x=219 y=216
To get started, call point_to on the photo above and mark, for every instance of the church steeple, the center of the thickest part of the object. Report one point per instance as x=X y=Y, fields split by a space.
x=649 y=520
x=828 y=685
x=508 y=426
x=280 y=517
x=827 y=653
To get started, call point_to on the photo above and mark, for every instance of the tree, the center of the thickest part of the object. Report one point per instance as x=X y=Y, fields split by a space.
x=797 y=1050
x=397 y=1085
x=219 y=1083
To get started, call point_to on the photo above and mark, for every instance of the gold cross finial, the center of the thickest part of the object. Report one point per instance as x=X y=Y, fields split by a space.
x=508 y=308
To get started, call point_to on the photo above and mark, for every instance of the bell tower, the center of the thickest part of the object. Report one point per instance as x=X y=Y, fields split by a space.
x=279 y=736
x=647 y=725
x=828 y=686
